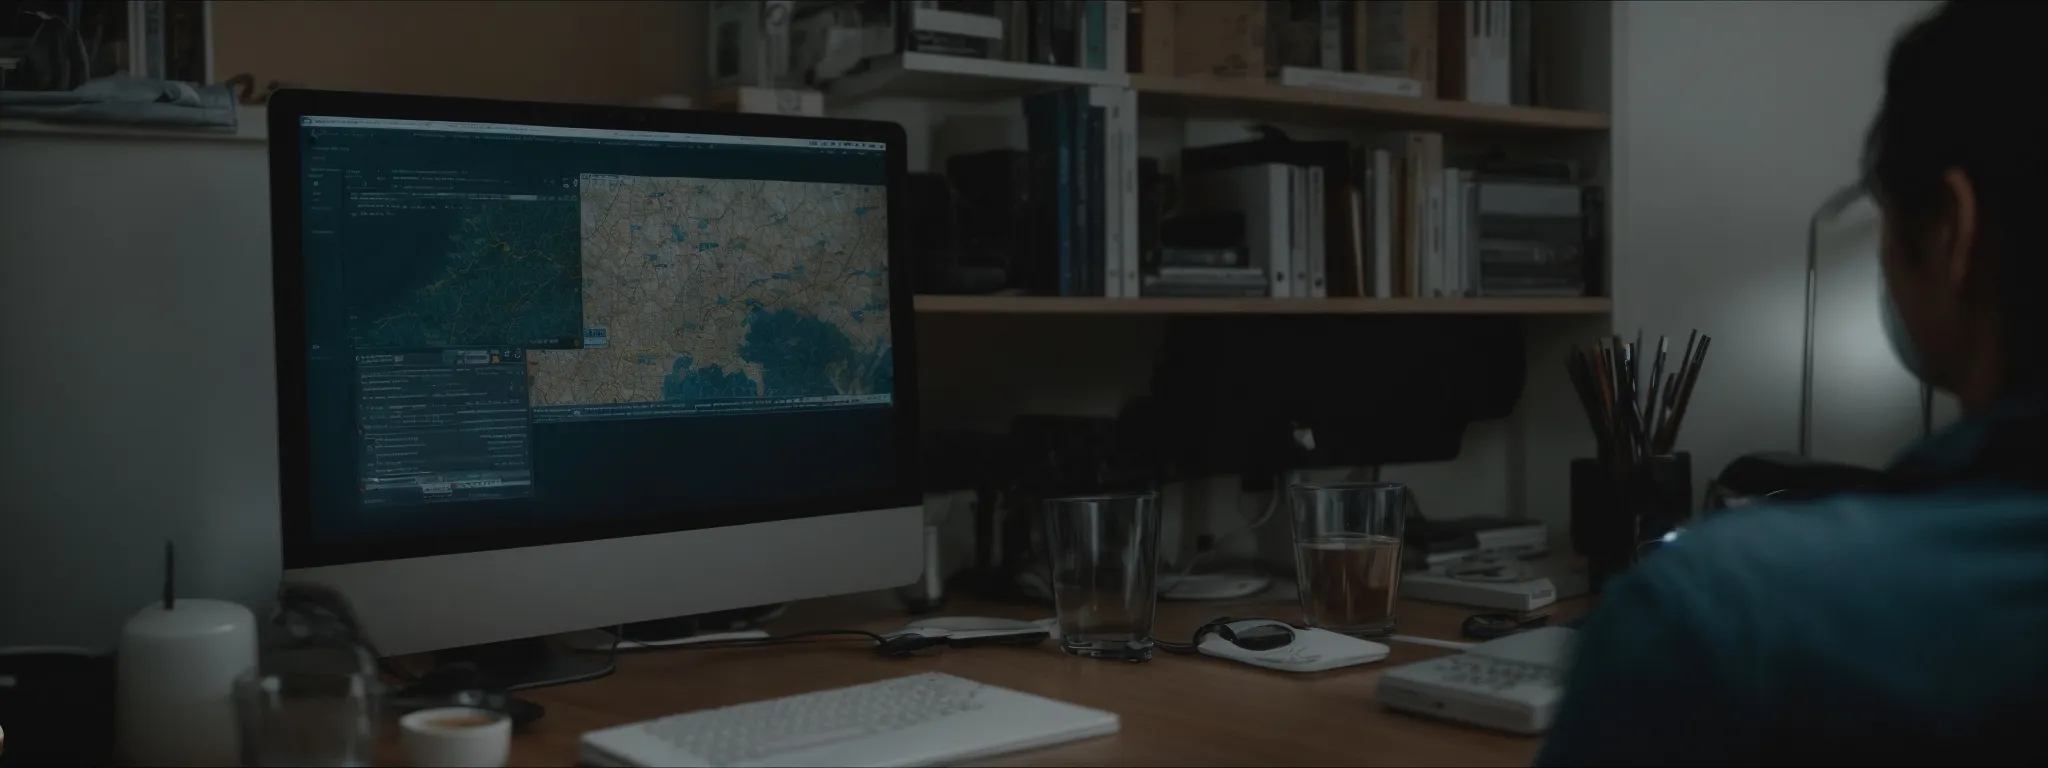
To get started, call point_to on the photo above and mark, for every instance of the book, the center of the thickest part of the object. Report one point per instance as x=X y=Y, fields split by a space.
x=1116 y=35
x=1324 y=221
x=1531 y=238
x=1315 y=203
x=1049 y=128
x=1094 y=34
x=1127 y=199
x=1402 y=40
x=1292 y=34
x=1332 y=30
x=1383 y=184
x=1297 y=232
x=966 y=30
x=1090 y=198
x=1260 y=192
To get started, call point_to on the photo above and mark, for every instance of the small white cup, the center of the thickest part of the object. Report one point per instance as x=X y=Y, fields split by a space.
x=456 y=737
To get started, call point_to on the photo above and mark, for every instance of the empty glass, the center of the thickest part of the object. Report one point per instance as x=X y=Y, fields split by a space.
x=307 y=719
x=1105 y=573
x=1347 y=554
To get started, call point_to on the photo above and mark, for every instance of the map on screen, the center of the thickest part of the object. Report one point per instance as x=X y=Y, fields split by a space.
x=509 y=276
x=724 y=290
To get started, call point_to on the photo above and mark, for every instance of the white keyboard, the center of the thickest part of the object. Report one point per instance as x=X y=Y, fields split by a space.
x=922 y=719
x=1513 y=683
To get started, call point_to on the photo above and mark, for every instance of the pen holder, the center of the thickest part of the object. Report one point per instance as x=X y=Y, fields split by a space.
x=1617 y=517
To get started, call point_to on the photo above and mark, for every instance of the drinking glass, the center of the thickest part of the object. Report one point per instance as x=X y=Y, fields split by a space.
x=307 y=718
x=1347 y=554
x=1105 y=573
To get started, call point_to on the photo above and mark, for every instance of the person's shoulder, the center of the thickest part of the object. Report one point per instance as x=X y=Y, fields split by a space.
x=1835 y=554
x=1772 y=540
x=1770 y=550
x=1768 y=543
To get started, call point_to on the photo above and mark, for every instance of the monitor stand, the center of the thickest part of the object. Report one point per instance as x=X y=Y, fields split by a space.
x=514 y=665
x=669 y=631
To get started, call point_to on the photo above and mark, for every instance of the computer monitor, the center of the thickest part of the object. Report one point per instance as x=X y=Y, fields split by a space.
x=548 y=367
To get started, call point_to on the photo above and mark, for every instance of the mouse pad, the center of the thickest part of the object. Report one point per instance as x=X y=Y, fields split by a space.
x=1313 y=650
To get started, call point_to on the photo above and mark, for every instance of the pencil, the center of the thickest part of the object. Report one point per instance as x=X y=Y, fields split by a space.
x=1685 y=387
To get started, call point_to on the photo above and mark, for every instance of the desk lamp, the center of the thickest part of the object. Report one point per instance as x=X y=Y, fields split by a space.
x=1778 y=476
x=1831 y=209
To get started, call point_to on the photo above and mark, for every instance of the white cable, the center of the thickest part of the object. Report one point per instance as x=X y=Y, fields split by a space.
x=1424 y=641
x=1272 y=504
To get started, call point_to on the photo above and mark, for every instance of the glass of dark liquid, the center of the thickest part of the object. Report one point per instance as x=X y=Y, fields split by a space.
x=1347 y=554
x=1105 y=573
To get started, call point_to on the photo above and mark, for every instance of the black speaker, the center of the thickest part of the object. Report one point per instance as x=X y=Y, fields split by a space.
x=934 y=243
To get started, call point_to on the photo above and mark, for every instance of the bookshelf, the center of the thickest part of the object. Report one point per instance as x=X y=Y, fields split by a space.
x=1240 y=99
x=977 y=86
x=931 y=76
x=1094 y=305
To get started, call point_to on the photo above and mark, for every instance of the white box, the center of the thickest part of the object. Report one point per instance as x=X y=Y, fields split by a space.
x=748 y=42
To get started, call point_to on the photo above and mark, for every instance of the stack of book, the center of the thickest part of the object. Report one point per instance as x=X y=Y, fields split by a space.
x=1205 y=273
x=1470 y=50
x=1389 y=219
x=830 y=39
x=1082 y=210
x=1088 y=34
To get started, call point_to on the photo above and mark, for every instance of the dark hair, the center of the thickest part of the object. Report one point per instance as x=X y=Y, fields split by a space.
x=1964 y=89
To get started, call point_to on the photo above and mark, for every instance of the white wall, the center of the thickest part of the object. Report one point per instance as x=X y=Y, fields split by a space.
x=137 y=403
x=1732 y=121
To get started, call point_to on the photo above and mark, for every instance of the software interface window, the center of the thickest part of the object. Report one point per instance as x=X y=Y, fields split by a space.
x=522 y=324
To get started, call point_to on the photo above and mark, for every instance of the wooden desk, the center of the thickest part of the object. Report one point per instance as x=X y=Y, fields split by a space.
x=1176 y=710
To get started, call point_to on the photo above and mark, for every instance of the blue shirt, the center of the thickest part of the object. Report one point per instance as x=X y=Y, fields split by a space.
x=1893 y=629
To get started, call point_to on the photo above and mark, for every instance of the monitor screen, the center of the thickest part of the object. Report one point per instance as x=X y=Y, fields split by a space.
x=521 y=334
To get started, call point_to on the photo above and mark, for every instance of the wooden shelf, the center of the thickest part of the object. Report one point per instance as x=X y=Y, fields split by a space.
x=1057 y=305
x=1244 y=99
x=931 y=76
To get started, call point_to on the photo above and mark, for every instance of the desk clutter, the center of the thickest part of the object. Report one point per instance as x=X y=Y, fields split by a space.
x=316 y=692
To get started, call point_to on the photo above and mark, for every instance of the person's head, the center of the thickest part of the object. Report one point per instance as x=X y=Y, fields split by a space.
x=1957 y=160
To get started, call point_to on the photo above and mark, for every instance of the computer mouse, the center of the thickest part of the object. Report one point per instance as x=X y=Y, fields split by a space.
x=1258 y=637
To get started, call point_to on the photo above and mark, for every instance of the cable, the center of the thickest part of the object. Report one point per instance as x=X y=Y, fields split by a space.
x=611 y=660
x=779 y=639
x=1272 y=504
x=1424 y=641
x=1195 y=642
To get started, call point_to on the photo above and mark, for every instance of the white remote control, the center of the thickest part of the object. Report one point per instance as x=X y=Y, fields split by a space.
x=1512 y=684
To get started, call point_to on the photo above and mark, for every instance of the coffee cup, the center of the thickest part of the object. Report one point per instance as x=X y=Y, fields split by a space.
x=453 y=737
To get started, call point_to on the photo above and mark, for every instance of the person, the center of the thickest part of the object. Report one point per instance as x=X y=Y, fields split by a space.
x=1908 y=626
